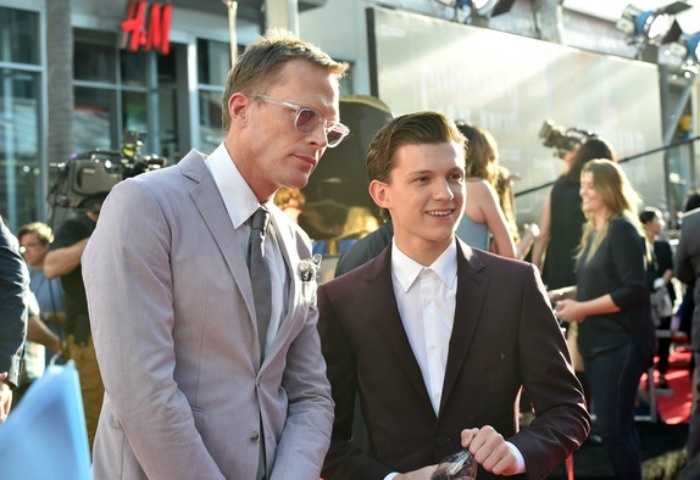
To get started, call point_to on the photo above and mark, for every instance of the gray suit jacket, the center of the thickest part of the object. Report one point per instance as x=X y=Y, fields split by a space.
x=688 y=265
x=173 y=323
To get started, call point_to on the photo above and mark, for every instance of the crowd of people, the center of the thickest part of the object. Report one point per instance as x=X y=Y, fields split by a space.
x=188 y=300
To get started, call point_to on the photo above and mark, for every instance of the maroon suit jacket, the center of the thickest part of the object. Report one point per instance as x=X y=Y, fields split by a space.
x=504 y=336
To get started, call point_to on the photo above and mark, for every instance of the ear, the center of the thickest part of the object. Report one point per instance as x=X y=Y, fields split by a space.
x=378 y=190
x=238 y=107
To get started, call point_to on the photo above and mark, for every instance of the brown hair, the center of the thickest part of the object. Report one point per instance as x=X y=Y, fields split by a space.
x=426 y=127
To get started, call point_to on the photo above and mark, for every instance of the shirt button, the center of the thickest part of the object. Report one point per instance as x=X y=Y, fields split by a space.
x=255 y=437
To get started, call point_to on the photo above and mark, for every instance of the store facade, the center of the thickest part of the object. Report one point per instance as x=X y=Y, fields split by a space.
x=167 y=85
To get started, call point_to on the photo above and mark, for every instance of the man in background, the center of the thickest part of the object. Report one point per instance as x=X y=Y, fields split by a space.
x=35 y=239
x=14 y=284
x=687 y=270
x=64 y=260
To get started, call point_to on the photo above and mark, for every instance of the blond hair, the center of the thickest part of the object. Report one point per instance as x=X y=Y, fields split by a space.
x=618 y=196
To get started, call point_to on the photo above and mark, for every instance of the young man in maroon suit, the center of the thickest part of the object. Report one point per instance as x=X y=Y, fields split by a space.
x=436 y=338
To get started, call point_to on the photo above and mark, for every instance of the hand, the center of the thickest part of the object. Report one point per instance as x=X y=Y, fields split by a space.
x=490 y=450
x=570 y=311
x=5 y=398
x=668 y=274
x=421 y=474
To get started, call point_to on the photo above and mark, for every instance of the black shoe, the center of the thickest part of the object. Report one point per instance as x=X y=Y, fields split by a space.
x=594 y=439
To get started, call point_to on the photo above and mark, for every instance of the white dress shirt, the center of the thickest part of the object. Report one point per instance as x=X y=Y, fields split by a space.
x=241 y=203
x=426 y=297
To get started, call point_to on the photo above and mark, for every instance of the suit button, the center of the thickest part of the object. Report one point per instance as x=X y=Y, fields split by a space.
x=255 y=437
x=440 y=441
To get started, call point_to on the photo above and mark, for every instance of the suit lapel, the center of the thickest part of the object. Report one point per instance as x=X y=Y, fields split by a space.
x=471 y=290
x=386 y=316
x=208 y=201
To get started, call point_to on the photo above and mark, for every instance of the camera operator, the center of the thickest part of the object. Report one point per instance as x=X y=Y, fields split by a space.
x=63 y=259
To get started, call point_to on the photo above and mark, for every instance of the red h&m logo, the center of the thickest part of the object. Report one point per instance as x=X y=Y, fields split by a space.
x=147 y=26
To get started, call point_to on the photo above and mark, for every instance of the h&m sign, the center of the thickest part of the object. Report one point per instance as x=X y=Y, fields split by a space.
x=147 y=26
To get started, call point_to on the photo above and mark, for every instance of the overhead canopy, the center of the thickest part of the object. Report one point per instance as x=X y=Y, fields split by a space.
x=247 y=9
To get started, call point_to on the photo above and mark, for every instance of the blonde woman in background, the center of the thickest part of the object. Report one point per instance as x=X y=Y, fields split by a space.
x=611 y=306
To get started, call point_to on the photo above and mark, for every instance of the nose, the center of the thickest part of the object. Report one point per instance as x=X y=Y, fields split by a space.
x=318 y=136
x=442 y=190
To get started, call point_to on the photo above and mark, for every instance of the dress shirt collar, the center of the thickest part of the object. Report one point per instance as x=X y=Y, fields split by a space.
x=406 y=270
x=239 y=199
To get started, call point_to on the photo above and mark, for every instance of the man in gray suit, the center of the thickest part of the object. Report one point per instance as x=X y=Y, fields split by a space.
x=191 y=391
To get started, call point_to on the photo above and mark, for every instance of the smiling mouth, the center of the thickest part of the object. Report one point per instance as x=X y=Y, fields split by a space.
x=440 y=213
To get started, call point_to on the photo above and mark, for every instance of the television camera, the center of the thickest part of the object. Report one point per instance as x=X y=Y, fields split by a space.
x=92 y=174
x=561 y=138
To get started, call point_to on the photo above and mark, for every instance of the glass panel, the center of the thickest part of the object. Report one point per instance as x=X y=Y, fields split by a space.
x=168 y=104
x=209 y=120
x=94 y=62
x=214 y=60
x=20 y=178
x=19 y=34
x=133 y=67
x=134 y=112
x=93 y=120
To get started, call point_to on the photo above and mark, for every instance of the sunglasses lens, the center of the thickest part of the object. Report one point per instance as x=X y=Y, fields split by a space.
x=334 y=136
x=307 y=120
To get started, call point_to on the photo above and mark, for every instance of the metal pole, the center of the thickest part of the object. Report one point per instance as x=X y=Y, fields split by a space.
x=232 y=9
x=672 y=121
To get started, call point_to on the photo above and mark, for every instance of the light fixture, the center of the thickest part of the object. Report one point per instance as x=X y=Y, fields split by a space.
x=692 y=45
x=486 y=8
x=652 y=26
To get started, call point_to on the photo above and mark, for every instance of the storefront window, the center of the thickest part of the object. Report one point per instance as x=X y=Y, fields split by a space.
x=214 y=59
x=93 y=118
x=110 y=91
x=20 y=169
x=210 y=120
x=19 y=41
x=95 y=63
x=133 y=67
x=214 y=62
x=134 y=112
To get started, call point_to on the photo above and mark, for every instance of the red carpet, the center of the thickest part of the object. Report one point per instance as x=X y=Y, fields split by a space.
x=674 y=405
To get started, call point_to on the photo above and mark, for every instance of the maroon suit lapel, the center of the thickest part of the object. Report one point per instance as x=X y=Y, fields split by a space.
x=471 y=290
x=380 y=295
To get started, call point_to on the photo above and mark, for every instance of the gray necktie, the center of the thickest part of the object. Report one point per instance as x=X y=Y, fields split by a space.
x=260 y=273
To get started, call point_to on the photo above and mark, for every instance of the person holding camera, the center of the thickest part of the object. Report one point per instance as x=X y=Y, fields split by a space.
x=64 y=260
